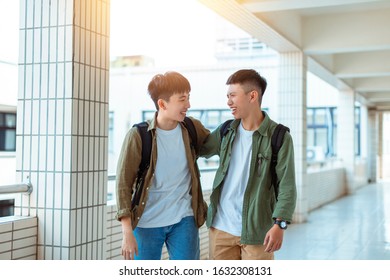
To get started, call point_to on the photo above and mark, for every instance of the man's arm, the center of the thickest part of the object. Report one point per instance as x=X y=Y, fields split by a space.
x=129 y=243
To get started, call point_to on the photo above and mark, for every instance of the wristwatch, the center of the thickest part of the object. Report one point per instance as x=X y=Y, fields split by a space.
x=281 y=223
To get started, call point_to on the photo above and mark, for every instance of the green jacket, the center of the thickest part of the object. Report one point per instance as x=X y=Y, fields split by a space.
x=259 y=205
x=127 y=168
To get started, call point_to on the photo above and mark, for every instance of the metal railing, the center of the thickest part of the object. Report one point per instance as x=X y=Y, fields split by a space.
x=23 y=188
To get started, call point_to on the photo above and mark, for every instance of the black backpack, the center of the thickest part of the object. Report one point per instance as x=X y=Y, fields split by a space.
x=276 y=144
x=146 y=138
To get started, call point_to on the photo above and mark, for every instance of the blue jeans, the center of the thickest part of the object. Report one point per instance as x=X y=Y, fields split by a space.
x=181 y=240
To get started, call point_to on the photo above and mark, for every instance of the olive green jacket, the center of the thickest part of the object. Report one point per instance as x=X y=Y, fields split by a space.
x=259 y=206
x=127 y=169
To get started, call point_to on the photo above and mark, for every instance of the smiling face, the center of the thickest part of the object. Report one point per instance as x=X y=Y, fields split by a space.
x=241 y=100
x=175 y=109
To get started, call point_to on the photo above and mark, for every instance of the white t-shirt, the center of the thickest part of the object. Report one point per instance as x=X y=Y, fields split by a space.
x=229 y=212
x=169 y=200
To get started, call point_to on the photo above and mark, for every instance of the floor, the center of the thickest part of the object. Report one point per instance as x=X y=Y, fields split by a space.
x=355 y=227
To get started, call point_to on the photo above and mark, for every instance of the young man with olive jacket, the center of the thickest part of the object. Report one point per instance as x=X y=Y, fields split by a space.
x=245 y=218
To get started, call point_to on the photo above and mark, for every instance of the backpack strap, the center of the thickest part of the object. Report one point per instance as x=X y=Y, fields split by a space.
x=276 y=144
x=192 y=132
x=146 y=139
x=224 y=128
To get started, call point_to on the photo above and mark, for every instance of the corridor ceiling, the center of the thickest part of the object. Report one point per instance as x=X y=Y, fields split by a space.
x=347 y=42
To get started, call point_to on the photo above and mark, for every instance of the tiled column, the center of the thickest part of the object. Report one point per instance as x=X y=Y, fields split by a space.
x=346 y=135
x=372 y=142
x=62 y=124
x=292 y=113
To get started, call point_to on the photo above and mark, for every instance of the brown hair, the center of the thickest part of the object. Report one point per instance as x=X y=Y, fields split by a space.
x=163 y=86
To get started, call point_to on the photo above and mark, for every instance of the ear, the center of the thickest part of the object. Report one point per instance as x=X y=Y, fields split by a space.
x=254 y=95
x=161 y=104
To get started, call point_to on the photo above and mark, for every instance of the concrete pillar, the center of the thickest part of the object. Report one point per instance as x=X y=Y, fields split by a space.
x=380 y=146
x=62 y=124
x=292 y=113
x=372 y=143
x=346 y=135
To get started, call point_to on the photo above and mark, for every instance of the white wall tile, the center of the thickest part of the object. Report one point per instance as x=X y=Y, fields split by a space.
x=29 y=14
x=36 y=55
x=53 y=44
x=53 y=13
x=49 y=194
x=104 y=18
x=60 y=80
x=93 y=15
x=57 y=228
x=88 y=47
x=82 y=45
x=40 y=189
x=68 y=43
x=34 y=153
x=22 y=47
x=45 y=12
x=45 y=45
x=57 y=193
x=79 y=188
x=52 y=81
x=61 y=43
x=26 y=151
x=48 y=251
x=69 y=11
x=72 y=228
x=20 y=253
x=28 y=82
x=59 y=117
x=73 y=191
x=50 y=117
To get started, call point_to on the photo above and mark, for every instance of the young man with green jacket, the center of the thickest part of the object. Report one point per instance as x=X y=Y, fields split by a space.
x=245 y=218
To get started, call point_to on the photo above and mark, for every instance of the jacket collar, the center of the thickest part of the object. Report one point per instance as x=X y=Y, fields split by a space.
x=264 y=126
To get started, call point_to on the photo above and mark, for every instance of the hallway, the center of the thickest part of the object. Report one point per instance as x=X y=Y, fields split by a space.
x=355 y=227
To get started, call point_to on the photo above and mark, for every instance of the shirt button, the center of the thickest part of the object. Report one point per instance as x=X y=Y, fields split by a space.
x=138 y=218
x=143 y=203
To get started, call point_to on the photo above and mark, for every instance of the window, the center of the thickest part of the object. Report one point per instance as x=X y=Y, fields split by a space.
x=320 y=131
x=357 y=131
x=7 y=132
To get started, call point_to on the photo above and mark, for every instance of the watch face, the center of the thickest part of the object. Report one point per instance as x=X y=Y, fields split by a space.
x=283 y=224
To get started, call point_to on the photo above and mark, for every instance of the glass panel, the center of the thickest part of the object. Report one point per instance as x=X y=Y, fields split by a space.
x=10 y=140
x=320 y=116
x=322 y=134
x=309 y=114
x=357 y=116
x=226 y=115
x=310 y=137
x=212 y=119
x=357 y=142
x=10 y=120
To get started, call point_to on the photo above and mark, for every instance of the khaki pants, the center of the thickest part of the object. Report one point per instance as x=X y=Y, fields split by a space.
x=224 y=246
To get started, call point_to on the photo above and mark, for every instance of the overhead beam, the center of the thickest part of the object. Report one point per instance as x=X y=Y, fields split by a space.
x=346 y=32
x=244 y=19
x=374 y=84
x=362 y=64
x=284 y=5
